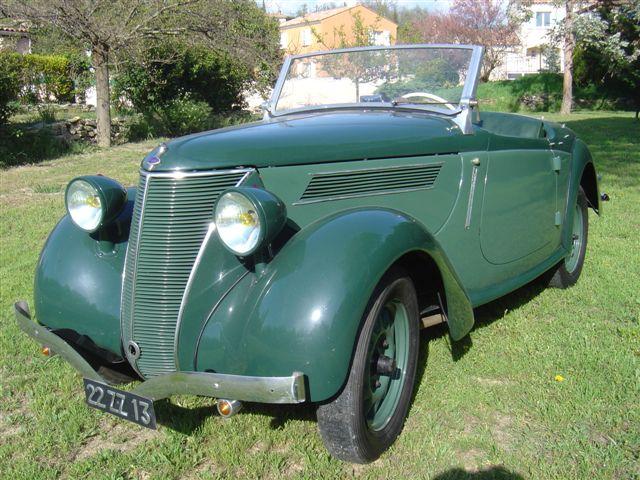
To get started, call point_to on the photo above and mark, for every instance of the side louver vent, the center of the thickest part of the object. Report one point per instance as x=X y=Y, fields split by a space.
x=338 y=185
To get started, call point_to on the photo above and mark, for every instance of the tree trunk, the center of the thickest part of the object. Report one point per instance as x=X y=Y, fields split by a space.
x=100 y=59
x=569 y=44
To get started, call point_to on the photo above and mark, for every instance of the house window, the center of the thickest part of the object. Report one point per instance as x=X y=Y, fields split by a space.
x=306 y=37
x=381 y=38
x=543 y=19
x=283 y=40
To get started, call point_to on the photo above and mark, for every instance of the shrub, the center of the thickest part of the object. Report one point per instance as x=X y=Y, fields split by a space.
x=175 y=118
x=184 y=116
x=46 y=113
x=33 y=78
x=181 y=117
x=10 y=84
x=540 y=92
x=48 y=77
x=169 y=72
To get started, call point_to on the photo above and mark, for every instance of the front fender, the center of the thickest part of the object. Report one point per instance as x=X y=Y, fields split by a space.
x=302 y=311
x=78 y=280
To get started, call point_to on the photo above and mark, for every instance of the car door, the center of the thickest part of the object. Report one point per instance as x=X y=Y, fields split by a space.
x=518 y=220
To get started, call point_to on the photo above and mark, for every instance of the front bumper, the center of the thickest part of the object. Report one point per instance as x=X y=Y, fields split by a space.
x=237 y=387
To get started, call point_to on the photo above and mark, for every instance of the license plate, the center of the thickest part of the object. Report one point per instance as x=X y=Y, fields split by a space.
x=122 y=404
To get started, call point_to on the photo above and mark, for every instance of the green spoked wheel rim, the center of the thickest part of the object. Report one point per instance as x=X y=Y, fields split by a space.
x=389 y=342
x=571 y=262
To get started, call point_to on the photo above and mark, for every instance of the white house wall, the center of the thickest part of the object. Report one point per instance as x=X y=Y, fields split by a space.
x=518 y=62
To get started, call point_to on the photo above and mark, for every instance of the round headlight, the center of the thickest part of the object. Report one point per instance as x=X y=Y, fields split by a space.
x=93 y=201
x=84 y=205
x=238 y=223
x=247 y=218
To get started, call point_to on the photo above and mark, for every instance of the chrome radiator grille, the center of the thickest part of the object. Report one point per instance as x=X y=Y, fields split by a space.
x=171 y=216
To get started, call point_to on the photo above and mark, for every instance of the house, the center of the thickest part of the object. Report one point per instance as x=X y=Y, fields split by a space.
x=330 y=28
x=17 y=39
x=533 y=55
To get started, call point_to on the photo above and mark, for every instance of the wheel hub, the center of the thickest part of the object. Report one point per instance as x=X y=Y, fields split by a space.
x=388 y=357
x=386 y=365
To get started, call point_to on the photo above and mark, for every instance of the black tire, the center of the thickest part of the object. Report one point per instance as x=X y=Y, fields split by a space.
x=344 y=428
x=568 y=271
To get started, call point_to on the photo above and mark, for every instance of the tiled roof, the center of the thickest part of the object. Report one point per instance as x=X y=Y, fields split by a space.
x=315 y=16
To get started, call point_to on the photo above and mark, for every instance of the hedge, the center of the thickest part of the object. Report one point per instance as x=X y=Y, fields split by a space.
x=48 y=77
x=10 y=84
x=33 y=78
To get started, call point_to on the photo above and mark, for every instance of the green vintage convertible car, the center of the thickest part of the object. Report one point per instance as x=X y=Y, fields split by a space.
x=294 y=259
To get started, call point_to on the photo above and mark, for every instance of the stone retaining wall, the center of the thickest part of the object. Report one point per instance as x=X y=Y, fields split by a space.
x=85 y=129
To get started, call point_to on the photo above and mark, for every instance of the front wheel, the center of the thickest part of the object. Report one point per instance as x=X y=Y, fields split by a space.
x=368 y=415
x=568 y=271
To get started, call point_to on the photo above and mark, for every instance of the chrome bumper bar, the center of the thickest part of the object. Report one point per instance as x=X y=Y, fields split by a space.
x=237 y=387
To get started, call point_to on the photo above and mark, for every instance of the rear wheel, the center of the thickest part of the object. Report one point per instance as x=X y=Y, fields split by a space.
x=365 y=419
x=568 y=271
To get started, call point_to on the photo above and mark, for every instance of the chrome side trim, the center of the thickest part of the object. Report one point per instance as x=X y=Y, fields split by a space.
x=187 y=289
x=237 y=387
x=472 y=192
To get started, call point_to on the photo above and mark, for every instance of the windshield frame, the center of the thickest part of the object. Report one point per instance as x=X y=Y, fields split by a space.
x=467 y=98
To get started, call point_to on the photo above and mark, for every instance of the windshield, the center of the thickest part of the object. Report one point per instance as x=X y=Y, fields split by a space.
x=421 y=76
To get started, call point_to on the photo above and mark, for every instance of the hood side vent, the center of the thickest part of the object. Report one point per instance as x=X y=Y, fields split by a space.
x=377 y=181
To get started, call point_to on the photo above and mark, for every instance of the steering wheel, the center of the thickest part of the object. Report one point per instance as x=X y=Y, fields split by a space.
x=430 y=96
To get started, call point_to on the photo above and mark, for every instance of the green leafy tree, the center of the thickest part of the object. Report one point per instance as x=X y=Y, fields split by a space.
x=608 y=30
x=608 y=51
x=168 y=71
x=115 y=29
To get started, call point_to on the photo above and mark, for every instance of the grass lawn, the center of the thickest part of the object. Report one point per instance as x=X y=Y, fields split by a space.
x=491 y=407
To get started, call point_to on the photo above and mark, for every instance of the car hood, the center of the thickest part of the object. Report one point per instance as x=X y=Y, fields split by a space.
x=317 y=137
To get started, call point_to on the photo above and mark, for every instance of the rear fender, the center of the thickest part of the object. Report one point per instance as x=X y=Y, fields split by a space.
x=302 y=311
x=583 y=174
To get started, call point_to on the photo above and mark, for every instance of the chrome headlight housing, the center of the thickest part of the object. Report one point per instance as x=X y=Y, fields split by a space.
x=94 y=201
x=248 y=218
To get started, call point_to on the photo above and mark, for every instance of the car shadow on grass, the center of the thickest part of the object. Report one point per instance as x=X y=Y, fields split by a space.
x=485 y=315
x=186 y=419
x=493 y=473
